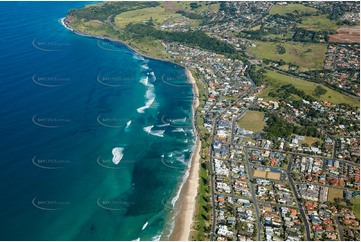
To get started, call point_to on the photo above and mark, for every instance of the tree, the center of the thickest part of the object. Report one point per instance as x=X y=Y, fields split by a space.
x=281 y=49
x=319 y=91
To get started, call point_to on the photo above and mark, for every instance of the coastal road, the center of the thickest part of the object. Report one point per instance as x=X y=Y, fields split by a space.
x=214 y=216
x=214 y=129
x=298 y=198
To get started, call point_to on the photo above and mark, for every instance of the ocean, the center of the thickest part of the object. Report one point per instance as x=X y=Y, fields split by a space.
x=96 y=139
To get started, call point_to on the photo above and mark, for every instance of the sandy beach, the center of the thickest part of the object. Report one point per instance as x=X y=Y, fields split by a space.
x=188 y=195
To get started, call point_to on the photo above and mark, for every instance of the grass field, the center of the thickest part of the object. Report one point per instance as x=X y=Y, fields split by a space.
x=252 y=120
x=185 y=6
x=310 y=140
x=277 y=79
x=290 y=8
x=318 y=23
x=158 y=14
x=356 y=206
x=334 y=193
x=306 y=55
x=150 y=47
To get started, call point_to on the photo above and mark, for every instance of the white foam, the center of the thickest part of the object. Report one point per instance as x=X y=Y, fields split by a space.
x=62 y=23
x=149 y=130
x=137 y=239
x=146 y=106
x=181 y=158
x=145 y=67
x=163 y=125
x=179 y=130
x=152 y=76
x=138 y=57
x=156 y=238
x=159 y=133
x=145 y=82
x=117 y=154
x=149 y=95
x=145 y=225
x=178 y=120
x=128 y=123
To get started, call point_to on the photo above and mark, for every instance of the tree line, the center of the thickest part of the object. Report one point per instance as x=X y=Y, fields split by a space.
x=191 y=38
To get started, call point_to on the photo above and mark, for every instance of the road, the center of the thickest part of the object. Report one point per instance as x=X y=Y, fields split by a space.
x=298 y=198
x=214 y=217
x=214 y=128
x=339 y=228
x=249 y=171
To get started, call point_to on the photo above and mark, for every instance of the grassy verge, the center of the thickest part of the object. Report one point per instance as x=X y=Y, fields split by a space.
x=201 y=224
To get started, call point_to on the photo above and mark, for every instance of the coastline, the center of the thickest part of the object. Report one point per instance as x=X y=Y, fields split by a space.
x=65 y=23
x=186 y=202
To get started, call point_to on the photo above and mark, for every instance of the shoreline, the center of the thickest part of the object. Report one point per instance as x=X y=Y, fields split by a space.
x=186 y=202
x=65 y=23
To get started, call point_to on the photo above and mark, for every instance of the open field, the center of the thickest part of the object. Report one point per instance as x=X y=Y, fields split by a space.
x=273 y=175
x=290 y=8
x=310 y=140
x=346 y=35
x=158 y=14
x=252 y=120
x=174 y=6
x=334 y=193
x=356 y=206
x=306 y=55
x=276 y=79
x=318 y=23
x=150 y=47
x=260 y=173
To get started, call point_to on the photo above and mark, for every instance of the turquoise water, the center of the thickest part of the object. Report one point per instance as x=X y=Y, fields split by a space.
x=95 y=138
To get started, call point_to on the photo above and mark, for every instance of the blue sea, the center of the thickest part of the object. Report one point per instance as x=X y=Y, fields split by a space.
x=95 y=139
